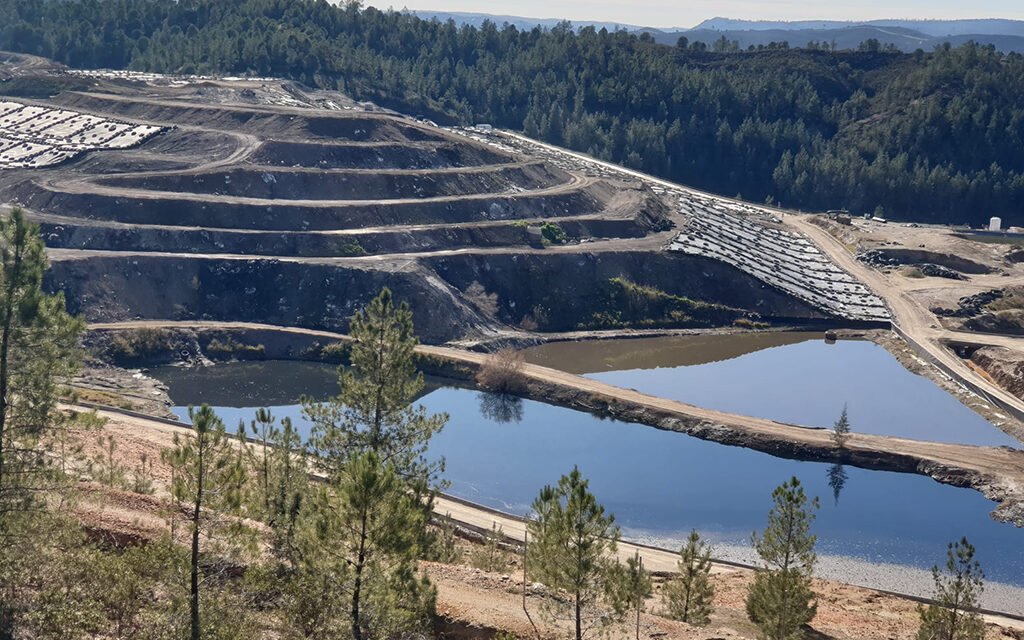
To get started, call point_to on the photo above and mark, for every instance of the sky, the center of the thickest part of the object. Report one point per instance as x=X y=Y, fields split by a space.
x=688 y=13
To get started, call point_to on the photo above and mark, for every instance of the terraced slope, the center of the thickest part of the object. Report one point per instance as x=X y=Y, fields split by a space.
x=283 y=211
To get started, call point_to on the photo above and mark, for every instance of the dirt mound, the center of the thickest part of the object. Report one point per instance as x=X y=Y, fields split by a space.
x=265 y=122
x=196 y=210
x=1007 y=322
x=85 y=234
x=577 y=286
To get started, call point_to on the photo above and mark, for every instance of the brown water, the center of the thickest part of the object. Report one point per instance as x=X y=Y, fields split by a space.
x=593 y=356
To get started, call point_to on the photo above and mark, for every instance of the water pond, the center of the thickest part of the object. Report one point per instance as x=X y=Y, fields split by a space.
x=499 y=452
x=791 y=377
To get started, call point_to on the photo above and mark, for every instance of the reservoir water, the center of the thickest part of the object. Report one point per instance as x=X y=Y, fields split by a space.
x=500 y=451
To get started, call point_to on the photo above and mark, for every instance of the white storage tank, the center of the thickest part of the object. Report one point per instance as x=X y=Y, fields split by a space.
x=995 y=224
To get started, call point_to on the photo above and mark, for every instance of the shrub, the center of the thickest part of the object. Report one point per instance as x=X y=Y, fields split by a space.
x=143 y=343
x=232 y=347
x=350 y=247
x=553 y=234
x=502 y=371
x=486 y=303
x=490 y=556
x=335 y=352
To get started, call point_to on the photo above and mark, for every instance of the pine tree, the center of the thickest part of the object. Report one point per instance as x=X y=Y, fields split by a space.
x=780 y=600
x=366 y=534
x=263 y=431
x=208 y=481
x=572 y=540
x=371 y=442
x=690 y=597
x=288 y=486
x=39 y=353
x=841 y=430
x=629 y=588
x=954 y=615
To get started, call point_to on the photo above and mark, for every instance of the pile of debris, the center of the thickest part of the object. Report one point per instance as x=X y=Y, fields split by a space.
x=970 y=306
x=878 y=258
x=939 y=271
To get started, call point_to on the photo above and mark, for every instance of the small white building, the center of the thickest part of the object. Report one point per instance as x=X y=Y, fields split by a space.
x=995 y=224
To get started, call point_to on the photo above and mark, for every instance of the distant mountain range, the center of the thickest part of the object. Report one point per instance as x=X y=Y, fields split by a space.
x=934 y=28
x=906 y=35
x=519 y=22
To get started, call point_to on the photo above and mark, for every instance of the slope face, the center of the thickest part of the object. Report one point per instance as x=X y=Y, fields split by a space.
x=261 y=202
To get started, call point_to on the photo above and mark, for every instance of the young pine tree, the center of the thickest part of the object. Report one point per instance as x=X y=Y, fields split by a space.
x=690 y=597
x=208 y=481
x=841 y=430
x=629 y=589
x=288 y=487
x=571 y=543
x=953 y=616
x=371 y=443
x=366 y=535
x=263 y=430
x=780 y=600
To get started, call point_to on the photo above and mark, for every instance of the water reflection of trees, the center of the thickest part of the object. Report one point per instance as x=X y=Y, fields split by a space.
x=837 y=480
x=501 y=407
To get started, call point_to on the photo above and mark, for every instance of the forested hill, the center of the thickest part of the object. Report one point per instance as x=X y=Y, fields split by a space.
x=937 y=136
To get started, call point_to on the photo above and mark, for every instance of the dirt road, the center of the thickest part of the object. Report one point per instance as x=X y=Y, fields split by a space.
x=914 y=319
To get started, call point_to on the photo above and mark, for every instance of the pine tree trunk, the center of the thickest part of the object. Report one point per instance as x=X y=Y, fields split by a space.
x=579 y=618
x=5 y=347
x=194 y=593
x=357 y=630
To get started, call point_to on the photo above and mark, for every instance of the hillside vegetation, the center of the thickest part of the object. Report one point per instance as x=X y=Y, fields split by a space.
x=929 y=136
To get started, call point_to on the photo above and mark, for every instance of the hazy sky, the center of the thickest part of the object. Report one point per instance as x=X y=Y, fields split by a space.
x=687 y=13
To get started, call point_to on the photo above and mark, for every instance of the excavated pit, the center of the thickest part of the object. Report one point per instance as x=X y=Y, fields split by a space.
x=300 y=294
x=298 y=215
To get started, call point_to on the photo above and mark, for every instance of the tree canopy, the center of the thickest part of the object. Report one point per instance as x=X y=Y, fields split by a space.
x=933 y=136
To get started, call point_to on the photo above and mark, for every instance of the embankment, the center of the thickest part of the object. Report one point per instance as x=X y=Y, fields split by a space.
x=315 y=294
